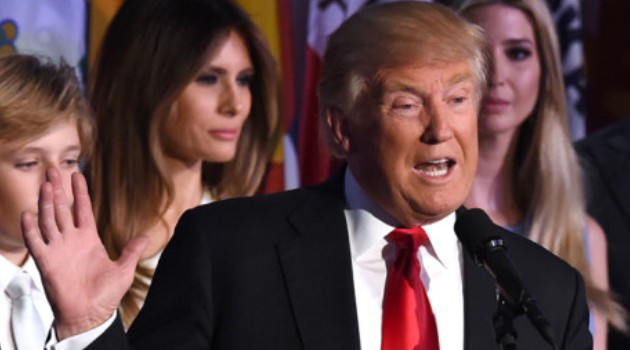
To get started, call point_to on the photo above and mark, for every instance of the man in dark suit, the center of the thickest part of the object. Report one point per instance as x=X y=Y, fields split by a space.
x=605 y=157
x=307 y=269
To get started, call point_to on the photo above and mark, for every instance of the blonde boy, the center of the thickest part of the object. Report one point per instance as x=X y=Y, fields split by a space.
x=45 y=122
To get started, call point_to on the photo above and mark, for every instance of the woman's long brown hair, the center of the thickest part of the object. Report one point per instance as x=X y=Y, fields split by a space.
x=151 y=51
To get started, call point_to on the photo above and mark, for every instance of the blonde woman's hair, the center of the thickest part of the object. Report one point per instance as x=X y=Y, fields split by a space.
x=547 y=178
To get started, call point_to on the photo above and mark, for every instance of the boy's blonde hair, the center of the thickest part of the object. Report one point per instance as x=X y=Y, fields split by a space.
x=37 y=94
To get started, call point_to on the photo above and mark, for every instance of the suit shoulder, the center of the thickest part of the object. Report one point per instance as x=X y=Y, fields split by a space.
x=263 y=207
x=532 y=258
x=601 y=136
x=254 y=204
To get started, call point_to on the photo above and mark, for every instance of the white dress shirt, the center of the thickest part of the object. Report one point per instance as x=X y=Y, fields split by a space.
x=441 y=274
x=7 y=271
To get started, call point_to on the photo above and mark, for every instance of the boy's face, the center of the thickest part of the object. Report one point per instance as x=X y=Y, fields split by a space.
x=23 y=165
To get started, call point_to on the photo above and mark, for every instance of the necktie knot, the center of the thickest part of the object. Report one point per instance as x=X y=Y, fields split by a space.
x=19 y=286
x=410 y=238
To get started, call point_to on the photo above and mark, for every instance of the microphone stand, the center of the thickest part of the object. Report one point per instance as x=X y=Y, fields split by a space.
x=502 y=320
x=483 y=241
x=510 y=307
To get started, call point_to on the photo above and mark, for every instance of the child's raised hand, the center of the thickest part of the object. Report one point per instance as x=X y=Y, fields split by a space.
x=83 y=285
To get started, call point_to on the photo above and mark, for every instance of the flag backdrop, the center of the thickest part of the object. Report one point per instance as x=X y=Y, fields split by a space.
x=274 y=19
x=567 y=14
x=54 y=28
x=101 y=13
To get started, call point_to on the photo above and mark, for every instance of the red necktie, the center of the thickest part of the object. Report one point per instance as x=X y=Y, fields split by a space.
x=408 y=321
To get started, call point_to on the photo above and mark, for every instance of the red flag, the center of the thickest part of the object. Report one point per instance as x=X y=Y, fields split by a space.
x=316 y=162
x=274 y=19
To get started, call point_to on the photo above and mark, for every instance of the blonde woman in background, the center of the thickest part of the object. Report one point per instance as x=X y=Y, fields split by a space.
x=185 y=94
x=528 y=178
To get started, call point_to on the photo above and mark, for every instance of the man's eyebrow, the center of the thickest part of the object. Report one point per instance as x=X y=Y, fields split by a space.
x=460 y=77
x=404 y=87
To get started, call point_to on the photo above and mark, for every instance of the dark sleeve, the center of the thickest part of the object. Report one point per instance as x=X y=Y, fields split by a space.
x=178 y=310
x=560 y=292
x=113 y=338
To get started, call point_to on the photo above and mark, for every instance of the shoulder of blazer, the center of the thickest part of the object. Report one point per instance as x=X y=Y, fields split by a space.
x=522 y=248
x=530 y=255
x=615 y=136
x=326 y=193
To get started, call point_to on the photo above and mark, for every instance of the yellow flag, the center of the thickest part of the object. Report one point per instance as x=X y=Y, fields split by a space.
x=101 y=13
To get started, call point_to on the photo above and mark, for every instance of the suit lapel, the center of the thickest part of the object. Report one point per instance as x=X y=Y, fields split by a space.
x=479 y=304
x=318 y=272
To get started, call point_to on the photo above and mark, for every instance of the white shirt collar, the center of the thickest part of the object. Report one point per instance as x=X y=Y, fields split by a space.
x=8 y=270
x=369 y=224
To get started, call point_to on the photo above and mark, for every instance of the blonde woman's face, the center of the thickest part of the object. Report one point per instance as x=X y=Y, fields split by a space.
x=207 y=118
x=516 y=68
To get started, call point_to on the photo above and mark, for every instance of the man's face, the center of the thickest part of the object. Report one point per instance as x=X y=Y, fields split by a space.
x=412 y=143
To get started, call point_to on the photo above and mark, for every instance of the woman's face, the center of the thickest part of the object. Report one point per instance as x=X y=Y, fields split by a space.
x=516 y=68
x=207 y=118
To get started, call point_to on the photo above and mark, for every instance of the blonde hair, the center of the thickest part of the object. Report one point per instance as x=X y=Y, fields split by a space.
x=393 y=35
x=547 y=178
x=36 y=94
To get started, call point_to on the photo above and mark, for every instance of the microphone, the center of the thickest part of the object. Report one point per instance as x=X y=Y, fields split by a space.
x=483 y=241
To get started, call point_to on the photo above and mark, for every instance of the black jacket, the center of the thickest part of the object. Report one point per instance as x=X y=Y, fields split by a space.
x=274 y=272
x=605 y=157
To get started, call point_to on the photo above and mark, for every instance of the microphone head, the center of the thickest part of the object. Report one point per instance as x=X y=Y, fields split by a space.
x=474 y=229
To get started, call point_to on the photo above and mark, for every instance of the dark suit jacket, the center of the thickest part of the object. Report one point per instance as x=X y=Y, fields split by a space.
x=274 y=272
x=605 y=158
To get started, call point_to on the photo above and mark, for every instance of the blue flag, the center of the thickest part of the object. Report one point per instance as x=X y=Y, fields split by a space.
x=54 y=28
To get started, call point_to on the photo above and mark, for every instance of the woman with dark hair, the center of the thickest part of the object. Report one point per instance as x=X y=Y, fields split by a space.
x=185 y=94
